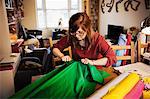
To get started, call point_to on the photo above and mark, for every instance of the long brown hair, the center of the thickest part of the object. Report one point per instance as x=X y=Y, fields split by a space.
x=76 y=21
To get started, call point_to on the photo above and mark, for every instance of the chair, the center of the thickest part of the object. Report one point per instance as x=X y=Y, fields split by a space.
x=32 y=64
x=141 y=49
x=37 y=61
x=128 y=47
x=57 y=59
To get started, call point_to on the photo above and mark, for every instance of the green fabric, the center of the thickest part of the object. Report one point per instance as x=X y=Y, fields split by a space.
x=73 y=80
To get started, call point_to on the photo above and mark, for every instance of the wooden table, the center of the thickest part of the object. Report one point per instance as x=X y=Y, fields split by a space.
x=139 y=67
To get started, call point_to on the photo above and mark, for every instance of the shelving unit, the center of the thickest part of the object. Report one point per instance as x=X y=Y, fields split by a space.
x=11 y=23
x=14 y=9
x=94 y=12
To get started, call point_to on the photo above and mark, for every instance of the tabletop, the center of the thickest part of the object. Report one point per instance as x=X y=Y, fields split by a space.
x=139 y=67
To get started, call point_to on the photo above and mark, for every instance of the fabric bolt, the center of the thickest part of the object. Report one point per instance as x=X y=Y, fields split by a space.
x=121 y=42
x=136 y=91
x=73 y=80
x=129 y=38
x=146 y=83
x=146 y=94
x=146 y=80
x=103 y=91
x=123 y=87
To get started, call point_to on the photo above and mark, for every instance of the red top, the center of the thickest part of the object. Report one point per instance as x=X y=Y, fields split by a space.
x=99 y=49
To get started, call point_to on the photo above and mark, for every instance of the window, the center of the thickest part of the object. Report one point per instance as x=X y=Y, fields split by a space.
x=49 y=12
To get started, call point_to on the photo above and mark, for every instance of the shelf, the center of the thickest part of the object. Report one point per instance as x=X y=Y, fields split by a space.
x=11 y=23
x=14 y=14
x=10 y=8
x=22 y=18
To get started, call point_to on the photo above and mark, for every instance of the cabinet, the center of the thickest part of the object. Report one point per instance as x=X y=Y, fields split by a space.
x=15 y=14
x=14 y=10
x=7 y=73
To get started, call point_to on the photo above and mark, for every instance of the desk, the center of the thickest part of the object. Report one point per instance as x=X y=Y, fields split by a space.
x=140 y=68
x=7 y=74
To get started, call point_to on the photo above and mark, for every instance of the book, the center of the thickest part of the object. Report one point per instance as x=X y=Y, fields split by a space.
x=6 y=66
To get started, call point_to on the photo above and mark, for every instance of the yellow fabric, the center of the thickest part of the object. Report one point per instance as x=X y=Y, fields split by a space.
x=146 y=94
x=123 y=87
x=146 y=80
x=111 y=88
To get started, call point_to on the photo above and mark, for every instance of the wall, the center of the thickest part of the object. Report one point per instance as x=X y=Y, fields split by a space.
x=124 y=18
x=5 y=46
x=29 y=20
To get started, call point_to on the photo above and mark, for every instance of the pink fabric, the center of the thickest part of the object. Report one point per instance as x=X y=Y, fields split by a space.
x=129 y=38
x=136 y=91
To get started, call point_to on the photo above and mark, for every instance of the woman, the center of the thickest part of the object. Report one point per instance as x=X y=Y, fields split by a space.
x=87 y=45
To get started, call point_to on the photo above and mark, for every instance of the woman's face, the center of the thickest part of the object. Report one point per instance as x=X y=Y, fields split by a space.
x=80 y=34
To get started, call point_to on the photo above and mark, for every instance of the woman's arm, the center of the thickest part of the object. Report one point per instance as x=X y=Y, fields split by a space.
x=103 y=48
x=101 y=61
x=59 y=54
x=59 y=47
x=107 y=52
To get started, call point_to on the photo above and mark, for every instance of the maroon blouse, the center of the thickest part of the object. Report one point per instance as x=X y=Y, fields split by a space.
x=99 y=49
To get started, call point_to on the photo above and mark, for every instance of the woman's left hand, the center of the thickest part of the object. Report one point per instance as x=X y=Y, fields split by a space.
x=86 y=61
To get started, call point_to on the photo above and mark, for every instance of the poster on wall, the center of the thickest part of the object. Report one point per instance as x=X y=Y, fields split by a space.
x=128 y=4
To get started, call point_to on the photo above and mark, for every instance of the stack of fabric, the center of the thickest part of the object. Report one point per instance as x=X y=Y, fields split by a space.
x=146 y=91
x=129 y=88
x=125 y=86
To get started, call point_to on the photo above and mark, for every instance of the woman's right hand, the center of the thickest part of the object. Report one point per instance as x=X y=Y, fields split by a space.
x=66 y=58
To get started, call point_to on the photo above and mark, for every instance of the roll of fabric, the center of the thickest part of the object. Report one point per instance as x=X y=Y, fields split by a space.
x=136 y=91
x=146 y=94
x=146 y=83
x=146 y=80
x=100 y=93
x=123 y=87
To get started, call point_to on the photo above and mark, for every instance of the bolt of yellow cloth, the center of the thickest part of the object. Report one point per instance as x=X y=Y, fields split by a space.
x=123 y=87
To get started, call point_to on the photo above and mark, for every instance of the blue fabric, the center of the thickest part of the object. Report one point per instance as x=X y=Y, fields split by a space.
x=122 y=42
